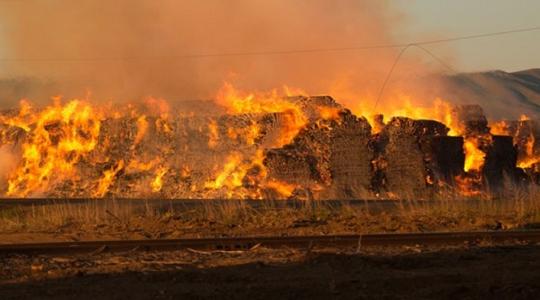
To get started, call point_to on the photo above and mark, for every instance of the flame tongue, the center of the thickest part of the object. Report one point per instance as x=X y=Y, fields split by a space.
x=157 y=183
x=524 y=133
x=526 y=138
x=58 y=137
x=293 y=118
x=108 y=179
x=474 y=157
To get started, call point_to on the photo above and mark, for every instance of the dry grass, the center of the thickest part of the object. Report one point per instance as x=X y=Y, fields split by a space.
x=123 y=219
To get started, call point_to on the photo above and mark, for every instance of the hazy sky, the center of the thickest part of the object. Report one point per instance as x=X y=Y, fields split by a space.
x=426 y=19
x=448 y=18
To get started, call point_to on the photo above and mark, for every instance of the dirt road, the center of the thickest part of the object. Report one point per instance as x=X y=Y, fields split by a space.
x=496 y=272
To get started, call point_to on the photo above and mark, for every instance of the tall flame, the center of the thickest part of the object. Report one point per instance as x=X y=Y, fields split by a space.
x=474 y=157
x=157 y=183
x=238 y=102
x=58 y=137
x=213 y=134
x=108 y=179
x=142 y=127
x=531 y=157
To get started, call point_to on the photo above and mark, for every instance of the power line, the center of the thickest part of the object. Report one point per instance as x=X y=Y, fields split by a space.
x=419 y=45
x=396 y=60
x=276 y=52
x=436 y=58
x=389 y=75
x=476 y=36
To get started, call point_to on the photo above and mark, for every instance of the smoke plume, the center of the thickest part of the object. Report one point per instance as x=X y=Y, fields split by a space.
x=128 y=49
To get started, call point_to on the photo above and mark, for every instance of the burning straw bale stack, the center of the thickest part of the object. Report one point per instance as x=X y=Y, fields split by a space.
x=413 y=155
x=133 y=150
x=526 y=134
x=500 y=161
x=447 y=158
x=330 y=158
x=315 y=149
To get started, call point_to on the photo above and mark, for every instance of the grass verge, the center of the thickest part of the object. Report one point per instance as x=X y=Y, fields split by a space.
x=124 y=220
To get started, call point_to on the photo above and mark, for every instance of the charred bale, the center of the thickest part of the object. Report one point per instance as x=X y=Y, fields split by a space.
x=533 y=173
x=406 y=151
x=428 y=128
x=287 y=164
x=500 y=163
x=446 y=157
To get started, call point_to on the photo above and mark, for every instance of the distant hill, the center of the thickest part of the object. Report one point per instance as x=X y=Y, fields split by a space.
x=501 y=94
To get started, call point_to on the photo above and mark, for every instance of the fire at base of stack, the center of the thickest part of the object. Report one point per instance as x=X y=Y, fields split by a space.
x=274 y=148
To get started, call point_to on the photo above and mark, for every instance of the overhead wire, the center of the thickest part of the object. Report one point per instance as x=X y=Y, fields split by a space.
x=440 y=61
x=396 y=60
x=275 y=52
x=403 y=46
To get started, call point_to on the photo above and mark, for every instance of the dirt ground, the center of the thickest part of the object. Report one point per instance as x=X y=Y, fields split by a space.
x=469 y=272
x=480 y=272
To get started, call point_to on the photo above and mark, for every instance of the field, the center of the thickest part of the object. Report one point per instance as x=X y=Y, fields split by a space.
x=480 y=270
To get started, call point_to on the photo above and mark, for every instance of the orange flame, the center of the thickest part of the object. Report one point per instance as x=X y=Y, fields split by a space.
x=237 y=102
x=531 y=157
x=108 y=179
x=231 y=175
x=142 y=127
x=499 y=128
x=137 y=165
x=474 y=157
x=328 y=113
x=283 y=188
x=237 y=178
x=213 y=134
x=469 y=185
x=57 y=138
x=157 y=183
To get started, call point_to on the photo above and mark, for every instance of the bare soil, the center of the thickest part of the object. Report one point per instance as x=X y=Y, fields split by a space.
x=474 y=272
x=480 y=272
